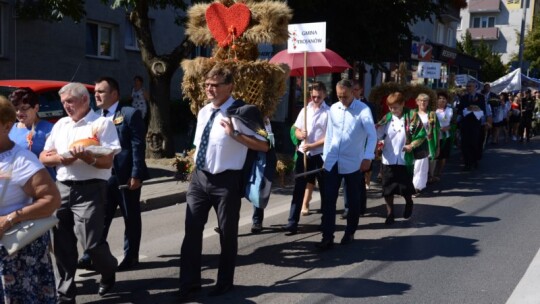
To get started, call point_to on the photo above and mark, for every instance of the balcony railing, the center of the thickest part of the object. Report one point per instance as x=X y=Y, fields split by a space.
x=485 y=6
x=486 y=33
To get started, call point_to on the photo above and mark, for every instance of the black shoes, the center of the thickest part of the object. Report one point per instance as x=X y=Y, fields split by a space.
x=105 y=285
x=256 y=228
x=325 y=245
x=347 y=239
x=344 y=214
x=128 y=263
x=408 y=210
x=220 y=289
x=290 y=230
x=85 y=263
x=186 y=294
x=389 y=220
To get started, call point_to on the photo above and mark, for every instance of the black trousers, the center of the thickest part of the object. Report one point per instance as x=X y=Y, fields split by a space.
x=129 y=202
x=206 y=191
x=471 y=141
x=313 y=162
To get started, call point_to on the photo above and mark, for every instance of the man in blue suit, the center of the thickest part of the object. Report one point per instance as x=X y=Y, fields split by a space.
x=129 y=170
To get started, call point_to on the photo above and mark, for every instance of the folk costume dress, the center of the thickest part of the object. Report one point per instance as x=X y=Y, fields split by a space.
x=446 y=137
x=421 y=166
x=396 y=132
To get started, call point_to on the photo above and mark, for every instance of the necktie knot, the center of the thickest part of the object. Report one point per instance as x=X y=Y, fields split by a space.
x=104 y=112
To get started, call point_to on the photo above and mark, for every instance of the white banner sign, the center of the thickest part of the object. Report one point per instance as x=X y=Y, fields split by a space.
x=429 y=70
x=307 y=37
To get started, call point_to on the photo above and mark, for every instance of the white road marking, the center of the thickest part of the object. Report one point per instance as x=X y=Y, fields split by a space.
x=527 y=291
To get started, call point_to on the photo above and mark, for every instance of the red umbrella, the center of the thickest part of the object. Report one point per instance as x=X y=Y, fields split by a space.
x=317 y=62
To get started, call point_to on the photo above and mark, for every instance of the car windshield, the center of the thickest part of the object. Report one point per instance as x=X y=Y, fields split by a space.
x=50 y=107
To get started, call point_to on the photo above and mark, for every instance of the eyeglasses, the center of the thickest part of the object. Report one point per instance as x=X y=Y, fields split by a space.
x=213 y=85
x=23 y=109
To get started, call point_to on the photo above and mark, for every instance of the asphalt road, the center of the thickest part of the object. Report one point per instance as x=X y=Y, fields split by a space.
x=472 y=239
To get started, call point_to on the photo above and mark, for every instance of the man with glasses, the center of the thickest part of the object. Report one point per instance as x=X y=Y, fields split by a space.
x=349 y=147
x=222 y=145
x=472 y=115
x=312 y=141
x=82 y=180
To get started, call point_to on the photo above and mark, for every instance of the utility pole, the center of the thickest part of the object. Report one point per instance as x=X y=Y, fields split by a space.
x=524 y=6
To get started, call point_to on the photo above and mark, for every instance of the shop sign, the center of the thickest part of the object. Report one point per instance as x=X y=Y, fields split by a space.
x=430 y=70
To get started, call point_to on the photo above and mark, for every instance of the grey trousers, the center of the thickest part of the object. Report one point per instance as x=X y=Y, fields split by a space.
x=81 y=217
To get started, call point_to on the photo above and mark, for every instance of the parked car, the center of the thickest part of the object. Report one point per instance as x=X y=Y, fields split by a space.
x=50 y=106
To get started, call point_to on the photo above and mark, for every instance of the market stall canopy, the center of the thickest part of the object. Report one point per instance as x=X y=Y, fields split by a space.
x=514 y=81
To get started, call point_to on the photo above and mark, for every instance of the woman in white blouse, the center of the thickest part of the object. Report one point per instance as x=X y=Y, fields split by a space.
x=400 y=131
x=27 y=192
x=444 y=115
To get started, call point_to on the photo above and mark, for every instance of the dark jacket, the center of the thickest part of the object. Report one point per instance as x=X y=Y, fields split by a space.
x=130 y=162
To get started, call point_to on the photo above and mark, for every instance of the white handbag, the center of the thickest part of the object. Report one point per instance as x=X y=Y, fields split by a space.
x=23 y=233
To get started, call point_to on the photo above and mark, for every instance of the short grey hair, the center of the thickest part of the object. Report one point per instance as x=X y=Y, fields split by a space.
x=345 y=83
x=76 y=89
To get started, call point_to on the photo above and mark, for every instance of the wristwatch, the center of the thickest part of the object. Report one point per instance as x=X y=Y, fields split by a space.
x=235 y=133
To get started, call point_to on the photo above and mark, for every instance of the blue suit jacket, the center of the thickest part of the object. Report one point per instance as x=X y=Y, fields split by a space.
x=131 y=129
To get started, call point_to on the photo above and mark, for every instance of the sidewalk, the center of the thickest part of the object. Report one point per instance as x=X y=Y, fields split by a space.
x=162 y=189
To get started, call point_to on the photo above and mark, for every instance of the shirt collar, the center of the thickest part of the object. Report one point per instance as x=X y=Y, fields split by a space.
x=112 y=109
x=352 y=106
x=90 y=116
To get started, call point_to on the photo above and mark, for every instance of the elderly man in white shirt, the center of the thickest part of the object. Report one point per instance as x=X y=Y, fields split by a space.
x=82 y=180
x=222 y=145
x=349 y=148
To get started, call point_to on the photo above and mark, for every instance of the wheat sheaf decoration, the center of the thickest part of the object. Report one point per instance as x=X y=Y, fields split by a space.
x=234 y=29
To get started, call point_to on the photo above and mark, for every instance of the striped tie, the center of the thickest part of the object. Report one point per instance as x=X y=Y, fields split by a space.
x=201 y=155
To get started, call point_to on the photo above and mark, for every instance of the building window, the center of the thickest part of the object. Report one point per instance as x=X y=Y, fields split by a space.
x=100 y=40
x=483 y=21
x=450 y=37
x=440 y=33
x=130 y=38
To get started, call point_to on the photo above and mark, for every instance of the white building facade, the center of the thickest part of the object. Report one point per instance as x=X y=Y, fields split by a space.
x=498 y=23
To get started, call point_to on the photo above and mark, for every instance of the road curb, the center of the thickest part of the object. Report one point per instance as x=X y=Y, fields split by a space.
x=163 y=201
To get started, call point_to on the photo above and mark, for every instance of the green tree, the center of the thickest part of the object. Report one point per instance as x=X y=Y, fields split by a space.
x=531 y=49
x=492 y=67
x=160 y=67
x=466 y=45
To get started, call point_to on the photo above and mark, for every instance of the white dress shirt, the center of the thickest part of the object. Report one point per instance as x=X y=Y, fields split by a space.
x=223 y=152
x=350 y=137
x=112 y=110
x=66 y=131
x=316 y=120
